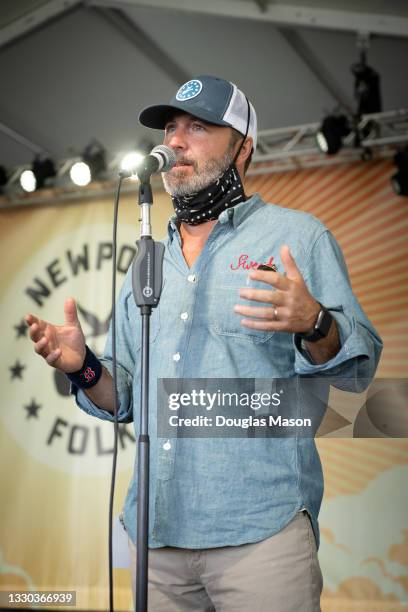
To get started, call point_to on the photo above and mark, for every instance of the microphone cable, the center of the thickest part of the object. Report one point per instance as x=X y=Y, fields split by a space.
x=115 y=391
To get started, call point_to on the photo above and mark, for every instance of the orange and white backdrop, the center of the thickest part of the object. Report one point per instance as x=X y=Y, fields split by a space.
x=364 y=518
x=56 y=460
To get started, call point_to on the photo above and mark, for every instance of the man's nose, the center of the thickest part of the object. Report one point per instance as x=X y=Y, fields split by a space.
x=176 y=139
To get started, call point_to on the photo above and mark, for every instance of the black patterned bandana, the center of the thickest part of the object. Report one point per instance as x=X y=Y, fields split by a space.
x=208 y=203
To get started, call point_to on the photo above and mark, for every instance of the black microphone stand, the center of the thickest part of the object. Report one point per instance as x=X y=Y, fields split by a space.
x=147 y=271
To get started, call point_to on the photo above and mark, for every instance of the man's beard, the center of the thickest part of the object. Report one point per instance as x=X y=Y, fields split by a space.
x=179 y=185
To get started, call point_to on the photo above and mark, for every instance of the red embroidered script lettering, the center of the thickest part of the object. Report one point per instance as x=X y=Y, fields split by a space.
x=244 y=264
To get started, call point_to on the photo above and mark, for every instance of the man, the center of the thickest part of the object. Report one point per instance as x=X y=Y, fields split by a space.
x=233 y=521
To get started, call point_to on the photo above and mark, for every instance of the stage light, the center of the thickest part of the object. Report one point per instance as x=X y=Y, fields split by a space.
x=329 y=138
x=91 y=166
x=399 y=180
x=94 y=156
x=3 y=178
x=80 y=174
x=366 y=88
x=43 y=170
x=131 y=161
x=28 y=181
x=37 y=176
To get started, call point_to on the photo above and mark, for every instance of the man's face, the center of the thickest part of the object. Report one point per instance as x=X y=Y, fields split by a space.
x=204 y=151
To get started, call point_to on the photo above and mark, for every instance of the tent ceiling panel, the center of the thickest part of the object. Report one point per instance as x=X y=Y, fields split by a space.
x=329 y=15
x=83 y=75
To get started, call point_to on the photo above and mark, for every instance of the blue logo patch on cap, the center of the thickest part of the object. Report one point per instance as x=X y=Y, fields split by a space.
x=189 y=90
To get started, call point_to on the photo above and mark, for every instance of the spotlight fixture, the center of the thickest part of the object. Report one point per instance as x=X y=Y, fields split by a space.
x=43 y=170
x=399 y=180
x=366 y=87
x=80 y=174
x=131 y=160
x=91 y=166
x=3 y=178
x=335 y=128
x=28 y=181
x=332 y=131
x=94 y=156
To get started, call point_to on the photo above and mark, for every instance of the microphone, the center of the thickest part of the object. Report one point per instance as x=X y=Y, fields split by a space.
x=160 y=159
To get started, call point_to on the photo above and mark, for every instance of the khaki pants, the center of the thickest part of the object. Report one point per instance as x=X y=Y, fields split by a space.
x=279 y=574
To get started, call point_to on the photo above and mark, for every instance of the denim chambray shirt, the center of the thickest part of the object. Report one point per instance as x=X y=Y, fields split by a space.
x=211 y=492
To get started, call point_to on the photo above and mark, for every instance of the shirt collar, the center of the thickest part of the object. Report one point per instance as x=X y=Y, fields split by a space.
x=237 y=214
x=172 y=226
x=234 y=215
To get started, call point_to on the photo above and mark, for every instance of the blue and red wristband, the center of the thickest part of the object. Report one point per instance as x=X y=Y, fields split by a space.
x=89 y=374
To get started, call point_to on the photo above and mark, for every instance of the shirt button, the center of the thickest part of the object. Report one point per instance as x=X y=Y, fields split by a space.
x=191 y=278
x=167 y=445
x=184 y=316
x=176 y=357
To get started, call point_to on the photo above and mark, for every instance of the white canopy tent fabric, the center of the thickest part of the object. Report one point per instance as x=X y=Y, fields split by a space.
x=73 y=70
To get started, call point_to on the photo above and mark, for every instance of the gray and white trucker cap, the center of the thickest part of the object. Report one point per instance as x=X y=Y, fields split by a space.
x=209 y=98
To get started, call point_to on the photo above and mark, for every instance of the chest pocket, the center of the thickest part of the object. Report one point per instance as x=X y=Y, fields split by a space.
x=225 y=322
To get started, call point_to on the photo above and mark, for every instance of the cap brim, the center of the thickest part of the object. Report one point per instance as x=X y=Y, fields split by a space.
x=157 y=116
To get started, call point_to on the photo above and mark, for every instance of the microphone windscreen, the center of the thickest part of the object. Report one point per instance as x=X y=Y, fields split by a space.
x=167 y=154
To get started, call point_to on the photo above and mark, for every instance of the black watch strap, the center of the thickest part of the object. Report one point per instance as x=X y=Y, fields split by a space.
x=321 y=327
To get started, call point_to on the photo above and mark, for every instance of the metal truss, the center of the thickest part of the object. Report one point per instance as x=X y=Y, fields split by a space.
x=279 y=150
x=281 y=13
x=295 y=147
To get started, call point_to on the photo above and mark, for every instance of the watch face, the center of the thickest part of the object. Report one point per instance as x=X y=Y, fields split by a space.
x=321 y=328
x=324 y=322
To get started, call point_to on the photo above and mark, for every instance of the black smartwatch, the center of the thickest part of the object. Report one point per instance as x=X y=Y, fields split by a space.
x=321 y=327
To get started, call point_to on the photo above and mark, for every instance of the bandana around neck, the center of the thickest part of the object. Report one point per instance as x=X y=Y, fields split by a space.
x=208 y=203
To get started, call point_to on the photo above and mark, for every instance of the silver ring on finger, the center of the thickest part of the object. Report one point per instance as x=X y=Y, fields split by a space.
x=275 y=313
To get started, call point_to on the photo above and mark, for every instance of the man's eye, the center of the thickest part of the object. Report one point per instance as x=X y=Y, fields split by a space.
x=169 y=128
x=198 y=127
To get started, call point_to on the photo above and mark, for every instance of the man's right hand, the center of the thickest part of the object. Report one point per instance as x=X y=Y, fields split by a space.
x=62 y=346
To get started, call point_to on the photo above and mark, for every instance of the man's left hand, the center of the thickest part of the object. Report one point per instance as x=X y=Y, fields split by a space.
x=289 y=307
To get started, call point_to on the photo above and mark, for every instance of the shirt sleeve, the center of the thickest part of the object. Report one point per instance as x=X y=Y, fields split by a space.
x=326 y=276
x=125 y=358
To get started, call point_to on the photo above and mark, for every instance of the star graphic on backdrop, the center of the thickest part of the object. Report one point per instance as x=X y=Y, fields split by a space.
x=32 y=409
x=17 y=370
x=21 y=329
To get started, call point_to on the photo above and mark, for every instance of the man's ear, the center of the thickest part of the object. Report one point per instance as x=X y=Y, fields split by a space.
x=245 y=152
